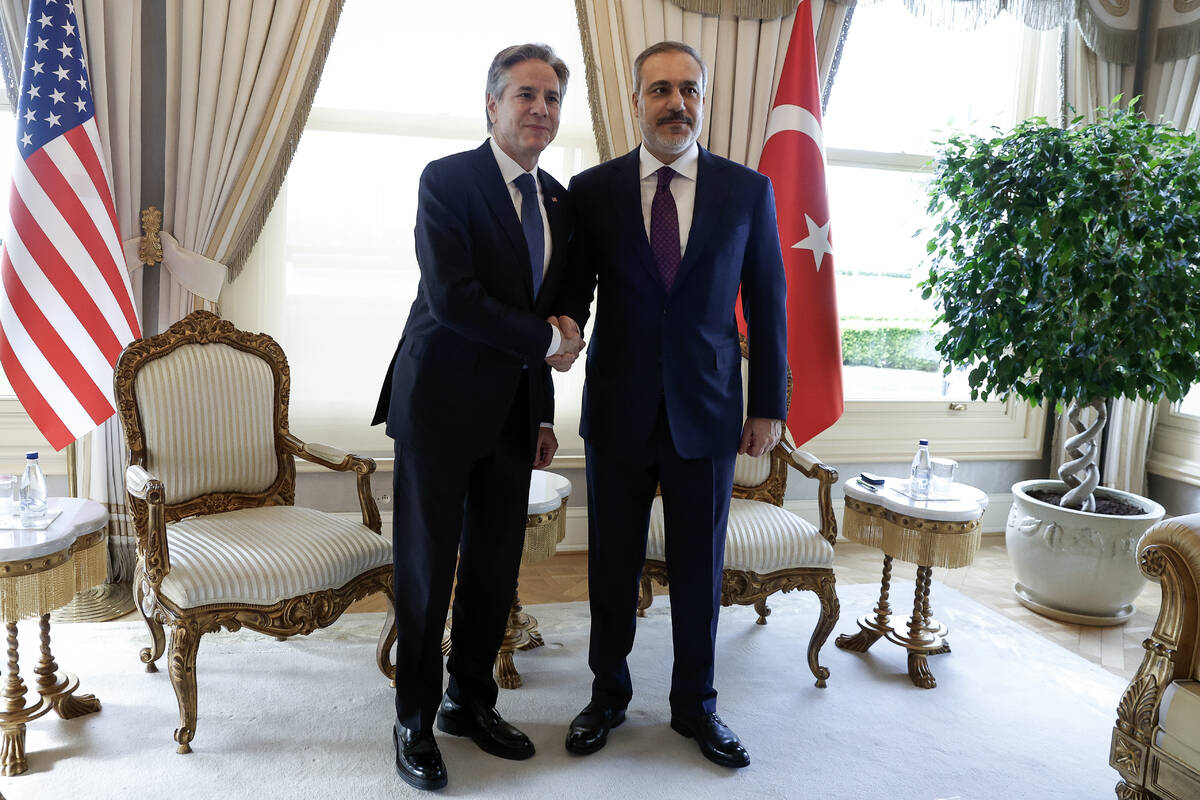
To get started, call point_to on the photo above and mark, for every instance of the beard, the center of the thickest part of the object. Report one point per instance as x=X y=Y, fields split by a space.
x=662 y=140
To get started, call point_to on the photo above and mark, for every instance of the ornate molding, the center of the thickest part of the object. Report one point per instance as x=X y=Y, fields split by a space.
x=150 y=246
x=1136 y=711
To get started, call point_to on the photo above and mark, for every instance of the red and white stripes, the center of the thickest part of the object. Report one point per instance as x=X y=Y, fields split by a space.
x=67 y=308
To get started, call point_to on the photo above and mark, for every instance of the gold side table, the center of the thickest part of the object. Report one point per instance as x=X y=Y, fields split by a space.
x=545 y=527
x=41 y=570
x=939 y=532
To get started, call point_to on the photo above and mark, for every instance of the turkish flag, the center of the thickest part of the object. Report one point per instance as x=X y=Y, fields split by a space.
x=793 y=158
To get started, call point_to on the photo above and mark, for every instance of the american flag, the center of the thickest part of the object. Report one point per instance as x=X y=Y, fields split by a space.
x=66 y=310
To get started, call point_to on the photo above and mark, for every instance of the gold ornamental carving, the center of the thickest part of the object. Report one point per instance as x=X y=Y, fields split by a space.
x=152 y=514
x=150 y=247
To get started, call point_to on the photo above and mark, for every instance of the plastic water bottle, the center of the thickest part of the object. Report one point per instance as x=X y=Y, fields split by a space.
x=33 y=491
x=918 y=487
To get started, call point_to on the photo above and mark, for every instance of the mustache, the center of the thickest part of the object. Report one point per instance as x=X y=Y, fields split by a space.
x=677 y=116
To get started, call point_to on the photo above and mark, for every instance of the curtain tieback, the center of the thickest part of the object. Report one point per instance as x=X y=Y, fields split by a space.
x=198 y=274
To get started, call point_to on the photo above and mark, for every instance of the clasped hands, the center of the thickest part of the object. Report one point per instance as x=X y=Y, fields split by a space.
x=571 y=345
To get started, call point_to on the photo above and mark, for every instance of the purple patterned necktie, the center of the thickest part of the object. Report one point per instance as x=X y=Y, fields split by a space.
x=664 y=228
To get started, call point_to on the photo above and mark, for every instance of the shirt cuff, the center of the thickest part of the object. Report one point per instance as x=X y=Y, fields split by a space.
x=555 y=341
x=549 y=425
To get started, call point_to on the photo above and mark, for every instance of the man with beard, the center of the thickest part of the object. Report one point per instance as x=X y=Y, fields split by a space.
x=667 y=235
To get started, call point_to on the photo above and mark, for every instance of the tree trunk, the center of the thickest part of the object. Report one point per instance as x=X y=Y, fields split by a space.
x=1080 y=472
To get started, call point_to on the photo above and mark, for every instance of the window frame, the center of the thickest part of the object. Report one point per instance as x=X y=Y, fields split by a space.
x=1175 y=445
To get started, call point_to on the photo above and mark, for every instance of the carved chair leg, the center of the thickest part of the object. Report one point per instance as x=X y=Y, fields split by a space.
x=387 y=638
x=646 y=596
x=185 y=640
x=158 y=640
x=831 y=609
x=760 y=605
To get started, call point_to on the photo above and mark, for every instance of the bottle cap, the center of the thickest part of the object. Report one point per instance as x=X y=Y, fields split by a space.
x=31 y=455
x=923 y=441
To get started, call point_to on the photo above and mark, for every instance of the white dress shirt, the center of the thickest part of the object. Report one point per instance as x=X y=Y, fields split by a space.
x=510 y=170
x=683 y=188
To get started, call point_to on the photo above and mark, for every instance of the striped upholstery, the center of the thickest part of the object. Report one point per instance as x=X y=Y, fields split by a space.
x=751 y=470
x=208 y=416
x=259 y=556
x=761 y=538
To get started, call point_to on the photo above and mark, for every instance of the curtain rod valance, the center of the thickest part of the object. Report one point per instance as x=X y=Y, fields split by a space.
x=746 y=9
x=1108 y=26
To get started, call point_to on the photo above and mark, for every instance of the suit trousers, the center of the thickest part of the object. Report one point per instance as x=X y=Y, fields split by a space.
x=475 y=509
x=695 y=493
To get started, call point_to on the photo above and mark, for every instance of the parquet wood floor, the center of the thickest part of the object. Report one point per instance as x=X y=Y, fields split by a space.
x=988 y=581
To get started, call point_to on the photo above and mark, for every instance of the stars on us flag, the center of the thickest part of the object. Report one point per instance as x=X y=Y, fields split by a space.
x=54 y=87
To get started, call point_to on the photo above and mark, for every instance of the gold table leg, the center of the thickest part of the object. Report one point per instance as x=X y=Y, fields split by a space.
x=16 y=713
x=920 y=640
x=871 y=628
x=59 y=687
x=521 y=634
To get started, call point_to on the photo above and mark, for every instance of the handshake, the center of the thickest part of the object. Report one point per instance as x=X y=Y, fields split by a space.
x=571 y=345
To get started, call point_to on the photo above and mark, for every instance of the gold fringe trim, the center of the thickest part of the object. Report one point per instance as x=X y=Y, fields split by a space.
x=862 y=527
x=929 y=543
x=543 y=532
x=91 y=566
x=746 y=9
x=34 y=594
x=1110 y=44
x=245 y=241
x=591 y=76
x=932 y=548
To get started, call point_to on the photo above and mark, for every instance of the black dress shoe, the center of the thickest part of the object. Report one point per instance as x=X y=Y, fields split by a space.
x=485 y=727
x=718 y=744
x=418 y=760
x=589 y=730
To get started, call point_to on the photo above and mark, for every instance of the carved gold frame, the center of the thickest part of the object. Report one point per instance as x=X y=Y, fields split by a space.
x=743 y=587
x=1171 y=654
x=151 y=515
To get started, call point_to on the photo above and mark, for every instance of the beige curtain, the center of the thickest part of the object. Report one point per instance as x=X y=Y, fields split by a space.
x=744 y=55
x=240 y=80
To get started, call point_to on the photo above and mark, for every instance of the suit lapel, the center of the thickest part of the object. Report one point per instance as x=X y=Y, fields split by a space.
x=495 y=193
x=628 y=201
x=710 y=198
x=554 y=198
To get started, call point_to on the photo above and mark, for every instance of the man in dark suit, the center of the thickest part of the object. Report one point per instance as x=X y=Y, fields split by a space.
x=667 y=234
x=469 y=402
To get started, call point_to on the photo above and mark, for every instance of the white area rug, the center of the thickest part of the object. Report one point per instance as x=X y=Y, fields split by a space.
x=1013 y=716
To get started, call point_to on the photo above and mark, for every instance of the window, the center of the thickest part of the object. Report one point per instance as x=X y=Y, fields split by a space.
x=339 y=247
x=901 y=85
x=1175 y=443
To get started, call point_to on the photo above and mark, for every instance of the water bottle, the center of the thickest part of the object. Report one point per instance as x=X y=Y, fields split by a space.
x=33 y=491
x=918 y=487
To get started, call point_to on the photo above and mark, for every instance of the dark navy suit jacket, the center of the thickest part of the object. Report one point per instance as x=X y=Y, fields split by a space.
x=649 y=345
x=475 y=325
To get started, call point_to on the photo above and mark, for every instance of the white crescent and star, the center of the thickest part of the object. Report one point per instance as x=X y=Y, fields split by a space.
x=801 y=120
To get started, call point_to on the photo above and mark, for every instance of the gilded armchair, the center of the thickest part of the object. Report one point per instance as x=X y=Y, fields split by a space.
x=211 y=485
x=767 y=548
x=1156 y=740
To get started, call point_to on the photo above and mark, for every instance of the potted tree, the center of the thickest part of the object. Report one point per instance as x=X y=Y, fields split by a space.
x=1064 y=270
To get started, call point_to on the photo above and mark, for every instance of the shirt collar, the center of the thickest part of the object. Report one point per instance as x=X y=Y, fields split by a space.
x=686 y=165
x=509 y=169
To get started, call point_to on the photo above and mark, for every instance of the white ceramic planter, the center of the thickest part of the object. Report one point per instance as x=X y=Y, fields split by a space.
x=1075 y=565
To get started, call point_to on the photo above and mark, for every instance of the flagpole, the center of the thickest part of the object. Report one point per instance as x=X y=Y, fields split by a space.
x=72 y=475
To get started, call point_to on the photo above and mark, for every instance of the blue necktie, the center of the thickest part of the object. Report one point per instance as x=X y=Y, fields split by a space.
x=531 y=224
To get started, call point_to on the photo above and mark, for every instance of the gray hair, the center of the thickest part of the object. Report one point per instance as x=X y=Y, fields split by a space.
x=509 y=57
x=668 y=47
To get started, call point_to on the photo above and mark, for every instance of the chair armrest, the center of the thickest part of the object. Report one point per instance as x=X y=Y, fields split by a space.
x=810 y=466
x=146 y=498
x=341 y=461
